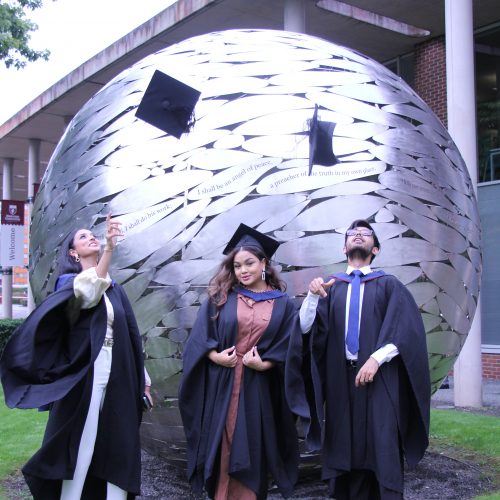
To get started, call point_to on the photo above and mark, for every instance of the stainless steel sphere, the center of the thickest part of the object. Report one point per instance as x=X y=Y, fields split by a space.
x=246 y=161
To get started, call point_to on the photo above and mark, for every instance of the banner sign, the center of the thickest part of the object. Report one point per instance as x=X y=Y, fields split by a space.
x=12 y=234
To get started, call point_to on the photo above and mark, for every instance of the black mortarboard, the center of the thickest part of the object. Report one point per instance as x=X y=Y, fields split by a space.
x=246 y=236
x=168 y=104
x=320 y=142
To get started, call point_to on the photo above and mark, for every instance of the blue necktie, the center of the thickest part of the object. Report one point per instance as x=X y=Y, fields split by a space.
x=352 y=339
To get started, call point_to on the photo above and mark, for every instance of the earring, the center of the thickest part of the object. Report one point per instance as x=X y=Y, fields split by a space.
x=77 y=258
x=263 y=275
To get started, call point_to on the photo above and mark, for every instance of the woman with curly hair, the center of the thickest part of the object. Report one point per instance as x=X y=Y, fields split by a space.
x=238 y=426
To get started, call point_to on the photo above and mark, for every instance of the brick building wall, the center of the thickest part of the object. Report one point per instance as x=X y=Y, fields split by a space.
x=491 y=366
x=430 y=75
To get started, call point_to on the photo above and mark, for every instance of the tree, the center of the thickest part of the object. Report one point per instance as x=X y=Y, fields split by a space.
x=15 y=33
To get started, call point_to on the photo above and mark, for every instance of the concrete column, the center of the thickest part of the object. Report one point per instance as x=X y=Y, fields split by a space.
x=462 y=109
x=33 y=177
x=8 y=176
x=295 y=16
x=8 y=170
x=33 y=167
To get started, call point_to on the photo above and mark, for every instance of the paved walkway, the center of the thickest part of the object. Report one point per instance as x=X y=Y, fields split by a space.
x=443 y=398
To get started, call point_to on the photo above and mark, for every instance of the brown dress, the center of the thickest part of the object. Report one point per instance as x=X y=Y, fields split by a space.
x=253 y=319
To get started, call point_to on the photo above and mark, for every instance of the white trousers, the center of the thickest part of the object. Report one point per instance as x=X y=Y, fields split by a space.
x=72 y=488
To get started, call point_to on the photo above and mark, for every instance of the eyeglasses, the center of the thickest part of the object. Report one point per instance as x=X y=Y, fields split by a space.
x=362 y=232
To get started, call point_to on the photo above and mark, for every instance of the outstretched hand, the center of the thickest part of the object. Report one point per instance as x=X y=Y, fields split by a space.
x=319 y=287
x=113 y=231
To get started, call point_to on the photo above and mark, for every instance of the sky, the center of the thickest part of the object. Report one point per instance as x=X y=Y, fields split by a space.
x=73 y=31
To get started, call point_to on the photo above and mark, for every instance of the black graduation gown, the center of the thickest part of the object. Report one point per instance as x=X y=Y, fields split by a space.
x=265 y=437
x=396 y=404
x=48 y=361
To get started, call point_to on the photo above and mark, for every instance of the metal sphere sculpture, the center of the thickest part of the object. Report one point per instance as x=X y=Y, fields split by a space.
x=246 y=160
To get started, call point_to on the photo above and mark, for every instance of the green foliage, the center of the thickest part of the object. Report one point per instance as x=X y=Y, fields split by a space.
x=15 y=33
x=7 y=327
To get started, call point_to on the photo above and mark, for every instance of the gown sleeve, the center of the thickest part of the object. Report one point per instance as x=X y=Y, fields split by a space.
x=36 y=366
x=89 y=288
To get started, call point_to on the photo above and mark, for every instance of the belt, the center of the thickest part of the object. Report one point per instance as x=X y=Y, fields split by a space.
x=351 y=363
x=108 y=342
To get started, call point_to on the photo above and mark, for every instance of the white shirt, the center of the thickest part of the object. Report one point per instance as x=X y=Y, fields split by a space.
x=307 y=316
x=89 y=288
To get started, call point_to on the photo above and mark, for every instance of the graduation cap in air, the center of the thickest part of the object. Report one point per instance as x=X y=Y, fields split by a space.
x=168 y=104
x=320 y=142
x=246 y=236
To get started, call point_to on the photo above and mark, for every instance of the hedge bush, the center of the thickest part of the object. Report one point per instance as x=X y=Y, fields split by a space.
x=7 y=327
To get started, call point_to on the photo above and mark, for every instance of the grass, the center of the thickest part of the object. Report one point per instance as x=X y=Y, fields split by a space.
x=480 y=433
x=21 y=432
x=469 y=437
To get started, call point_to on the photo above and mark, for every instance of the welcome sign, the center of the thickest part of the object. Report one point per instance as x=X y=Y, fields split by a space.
x=12 y=234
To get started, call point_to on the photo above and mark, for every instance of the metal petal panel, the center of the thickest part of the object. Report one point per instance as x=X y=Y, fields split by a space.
x=340 y=211
x=414 y=185
x=184 y=271
x=372 y=93
x=233 y=179
x=224 y=203
x=448 y=280
x=423 y=292
x=403 y=251
x=151 y=308
x=440 y=235
x=405 y=274
x=409 y=202
x=141 y=245
x=446 y=343
x=218 y=231
x=467 y=273
x=462 y=224
x=453 y=314
x=173 y=246
x=155 y=190
x=310 y=250
x=344 y=189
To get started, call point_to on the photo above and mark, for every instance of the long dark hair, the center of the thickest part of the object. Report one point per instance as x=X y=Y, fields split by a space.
x=65 y=263
x=225 y=280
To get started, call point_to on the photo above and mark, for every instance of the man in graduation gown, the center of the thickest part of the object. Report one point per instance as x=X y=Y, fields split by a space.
x=359 y=375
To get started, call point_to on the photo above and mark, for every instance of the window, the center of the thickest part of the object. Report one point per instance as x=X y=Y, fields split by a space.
x=487 y=61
